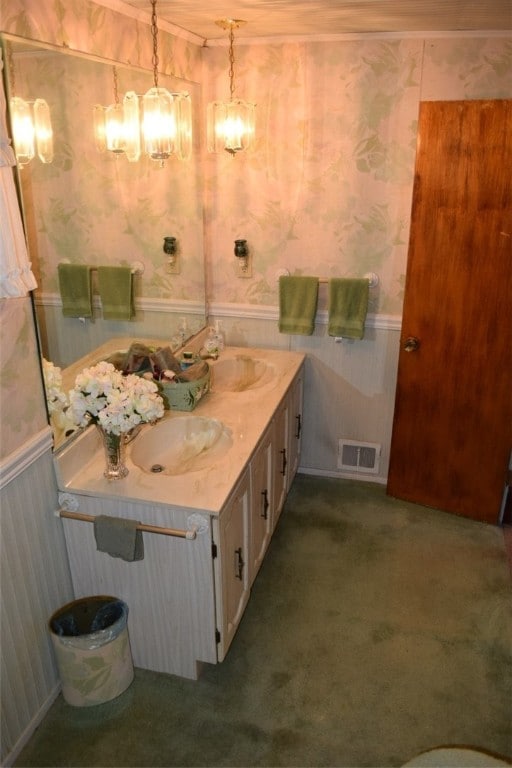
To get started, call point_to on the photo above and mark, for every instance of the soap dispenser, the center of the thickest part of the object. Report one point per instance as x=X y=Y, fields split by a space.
x=183 y=330
x=219 y=336
x=211 y=343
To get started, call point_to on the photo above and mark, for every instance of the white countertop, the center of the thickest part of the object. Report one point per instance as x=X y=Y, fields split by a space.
x=246 y=414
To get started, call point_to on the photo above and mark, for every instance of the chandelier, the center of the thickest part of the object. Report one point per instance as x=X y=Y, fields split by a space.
x=31 y=126
x=230 y=124
x=158 y=123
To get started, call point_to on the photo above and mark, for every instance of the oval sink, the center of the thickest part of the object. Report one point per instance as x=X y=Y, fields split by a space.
x=239 y=374
x=180 y=445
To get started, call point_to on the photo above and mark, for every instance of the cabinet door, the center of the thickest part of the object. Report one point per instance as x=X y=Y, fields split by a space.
x=232 y=578
x=295 y=427
x=261 y=504
x=280 y=458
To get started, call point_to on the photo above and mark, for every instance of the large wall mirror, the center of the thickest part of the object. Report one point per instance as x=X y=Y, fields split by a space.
x=96 y=208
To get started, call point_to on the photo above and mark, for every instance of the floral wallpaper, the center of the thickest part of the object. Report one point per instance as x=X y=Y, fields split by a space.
x=22 y=406
x=327 y=188
x=82 y=25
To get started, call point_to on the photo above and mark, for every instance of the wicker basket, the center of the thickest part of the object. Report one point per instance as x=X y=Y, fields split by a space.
x=184 y=396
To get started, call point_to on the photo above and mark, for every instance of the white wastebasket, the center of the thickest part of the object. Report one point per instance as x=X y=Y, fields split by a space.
x=92 y=647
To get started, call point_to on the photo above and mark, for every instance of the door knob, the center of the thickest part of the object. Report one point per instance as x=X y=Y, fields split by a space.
x=411 y=344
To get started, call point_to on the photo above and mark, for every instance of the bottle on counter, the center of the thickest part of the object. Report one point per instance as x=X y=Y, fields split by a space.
x=219 y=336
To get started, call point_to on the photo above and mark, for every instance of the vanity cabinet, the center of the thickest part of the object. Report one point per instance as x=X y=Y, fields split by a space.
x=262 y=502
x=281 y=423
x=231 y=564
x=295 y=427
x=186 y=597
x=245 y=526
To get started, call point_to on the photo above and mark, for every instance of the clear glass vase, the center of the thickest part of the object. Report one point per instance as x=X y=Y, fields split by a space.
x=114 y=447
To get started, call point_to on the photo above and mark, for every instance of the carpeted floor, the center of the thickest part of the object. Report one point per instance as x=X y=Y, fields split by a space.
x=377 y=629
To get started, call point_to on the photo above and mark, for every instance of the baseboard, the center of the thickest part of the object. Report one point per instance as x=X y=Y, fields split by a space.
x=31 y=727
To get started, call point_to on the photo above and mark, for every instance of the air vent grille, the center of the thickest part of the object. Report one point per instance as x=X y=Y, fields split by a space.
x=358 y=457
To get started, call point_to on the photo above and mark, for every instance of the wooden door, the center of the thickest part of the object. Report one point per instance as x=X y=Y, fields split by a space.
x=452 y=433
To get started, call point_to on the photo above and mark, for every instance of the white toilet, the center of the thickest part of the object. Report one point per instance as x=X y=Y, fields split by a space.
x=455 y=757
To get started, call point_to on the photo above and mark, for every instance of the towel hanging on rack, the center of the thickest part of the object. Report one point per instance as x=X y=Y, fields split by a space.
x=75 y=289
x=119 y=537
x=348 y=305
x=115 y=286
x=298 y=300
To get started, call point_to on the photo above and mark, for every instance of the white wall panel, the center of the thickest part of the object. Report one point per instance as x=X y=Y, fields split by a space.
x=349 y=388
x=35 y=581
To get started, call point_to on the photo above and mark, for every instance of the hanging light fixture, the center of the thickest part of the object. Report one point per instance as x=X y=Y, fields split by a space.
x=117 y=127
x=31 y=126
x=230 y=124
x=131 y=110
x=167 y=117
x=114 y=122
x=161 y=125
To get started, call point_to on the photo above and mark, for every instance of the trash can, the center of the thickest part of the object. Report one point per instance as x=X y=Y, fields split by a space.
x=92 y=647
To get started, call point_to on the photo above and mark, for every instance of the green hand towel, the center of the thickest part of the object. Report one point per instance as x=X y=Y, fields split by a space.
x=298 y=299
x=115 y=286
x=75 y=290
x=348 y=305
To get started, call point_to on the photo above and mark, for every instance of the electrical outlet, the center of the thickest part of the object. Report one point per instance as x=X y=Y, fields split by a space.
x=243 y=267
x=173 y=265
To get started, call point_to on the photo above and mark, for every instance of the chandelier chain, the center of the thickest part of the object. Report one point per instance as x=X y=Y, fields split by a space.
x=116 y=93
x=231 y=64
x=154 y=33
x=12 y=76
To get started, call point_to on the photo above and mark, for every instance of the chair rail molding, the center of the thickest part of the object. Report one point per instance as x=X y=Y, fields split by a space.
x=17 y=461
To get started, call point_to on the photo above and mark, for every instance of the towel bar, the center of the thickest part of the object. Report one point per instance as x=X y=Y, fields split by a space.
x=372 y=277
x=180 y=534
x=137 y=267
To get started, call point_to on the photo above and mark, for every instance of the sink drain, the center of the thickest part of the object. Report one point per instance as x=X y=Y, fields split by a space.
x=157 y=468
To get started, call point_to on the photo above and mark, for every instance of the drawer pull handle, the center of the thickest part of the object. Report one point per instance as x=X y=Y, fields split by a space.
x=239 y=563
x=264 y=513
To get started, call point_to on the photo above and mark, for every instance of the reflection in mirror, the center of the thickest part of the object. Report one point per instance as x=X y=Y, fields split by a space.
x=97 y=209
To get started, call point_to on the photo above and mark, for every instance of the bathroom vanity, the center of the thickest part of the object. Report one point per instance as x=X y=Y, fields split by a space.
x=187 y=595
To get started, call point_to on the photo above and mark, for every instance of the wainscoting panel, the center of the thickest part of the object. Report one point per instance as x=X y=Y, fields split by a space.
x=35 y=581
x=349 y=389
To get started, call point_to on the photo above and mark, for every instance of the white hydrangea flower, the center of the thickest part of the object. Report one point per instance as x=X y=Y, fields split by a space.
x=55 y=397
x=102 y=395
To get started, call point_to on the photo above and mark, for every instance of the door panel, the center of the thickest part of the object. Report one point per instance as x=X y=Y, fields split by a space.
x=452 y=430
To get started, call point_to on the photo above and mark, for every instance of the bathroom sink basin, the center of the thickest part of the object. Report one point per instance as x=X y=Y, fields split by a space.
x=180 y=445
x=239 y=374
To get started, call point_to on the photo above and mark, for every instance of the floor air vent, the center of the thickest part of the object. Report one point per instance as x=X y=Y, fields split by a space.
x=358 y=457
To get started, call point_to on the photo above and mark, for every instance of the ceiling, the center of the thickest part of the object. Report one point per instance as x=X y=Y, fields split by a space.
x=317 y=18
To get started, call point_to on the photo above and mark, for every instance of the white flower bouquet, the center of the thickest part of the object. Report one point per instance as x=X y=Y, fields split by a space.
x=55 y=397
x=103 y=395
x=57 y=401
